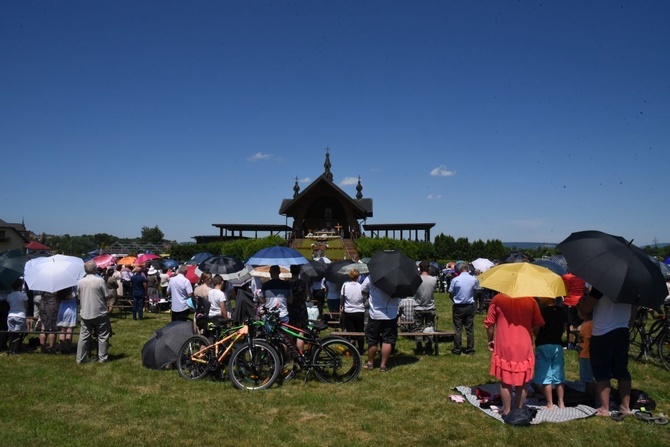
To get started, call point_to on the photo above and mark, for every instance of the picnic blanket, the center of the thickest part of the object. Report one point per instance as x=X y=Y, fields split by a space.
x=537 y=401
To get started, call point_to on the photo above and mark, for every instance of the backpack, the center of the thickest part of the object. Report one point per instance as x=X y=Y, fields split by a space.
x=520 y=417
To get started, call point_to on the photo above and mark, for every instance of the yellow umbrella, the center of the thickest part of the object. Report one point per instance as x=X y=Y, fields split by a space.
x=523 y=279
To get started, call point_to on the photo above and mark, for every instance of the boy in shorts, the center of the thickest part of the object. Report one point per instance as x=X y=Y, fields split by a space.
x=585 y=371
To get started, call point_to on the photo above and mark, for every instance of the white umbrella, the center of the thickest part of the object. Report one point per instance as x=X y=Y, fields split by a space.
x=54 y=273
x=264 y=272
x=482 y=264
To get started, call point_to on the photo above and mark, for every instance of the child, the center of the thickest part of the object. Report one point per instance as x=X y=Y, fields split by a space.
x=549 y=362
x=585 y=371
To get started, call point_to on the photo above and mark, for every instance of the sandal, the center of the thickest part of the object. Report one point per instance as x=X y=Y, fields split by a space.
x=369 y=365
x=648 y=417
x=617 y=415
x=383 y=369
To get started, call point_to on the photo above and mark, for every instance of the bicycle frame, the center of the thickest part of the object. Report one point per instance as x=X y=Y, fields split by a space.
x=232 y=338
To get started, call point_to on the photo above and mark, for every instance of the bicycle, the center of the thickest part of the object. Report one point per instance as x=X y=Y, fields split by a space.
x=331 y=359
x=654 y=341
x=253 y=364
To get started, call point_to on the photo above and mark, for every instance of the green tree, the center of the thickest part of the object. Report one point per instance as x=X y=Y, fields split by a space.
x=152 y=235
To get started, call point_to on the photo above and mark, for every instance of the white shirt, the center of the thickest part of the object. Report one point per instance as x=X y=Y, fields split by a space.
x=217 y=300
x=353 y=297
x=382 y=306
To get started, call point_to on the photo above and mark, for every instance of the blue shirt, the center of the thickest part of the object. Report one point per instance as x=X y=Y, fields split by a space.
x=462 y=288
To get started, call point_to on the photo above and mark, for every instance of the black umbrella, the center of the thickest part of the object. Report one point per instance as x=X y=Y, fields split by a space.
x=230 y=268
x=616 y=267
x=333 y=273
x=12 y=264
x=551 y=265
x=516 y=256
x=162 y=349
x=394 y=273
x=314 y=271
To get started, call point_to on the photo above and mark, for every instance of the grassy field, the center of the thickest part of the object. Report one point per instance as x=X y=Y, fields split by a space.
x=50 y=400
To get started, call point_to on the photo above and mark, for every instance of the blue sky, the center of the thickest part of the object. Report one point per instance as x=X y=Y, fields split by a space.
x=518 y=121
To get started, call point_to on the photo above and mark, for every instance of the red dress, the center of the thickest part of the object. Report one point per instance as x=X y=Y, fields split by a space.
x=513 y=358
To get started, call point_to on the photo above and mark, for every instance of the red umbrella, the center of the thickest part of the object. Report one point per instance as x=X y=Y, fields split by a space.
x=104 y=261
x=191 y=275
x=145 y=257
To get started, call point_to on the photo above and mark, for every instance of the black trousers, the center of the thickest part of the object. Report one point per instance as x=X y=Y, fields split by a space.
x=464 y=316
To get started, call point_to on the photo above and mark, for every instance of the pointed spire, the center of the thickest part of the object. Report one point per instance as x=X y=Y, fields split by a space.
x=327 y=165
x=296 y=188
x=359 y=189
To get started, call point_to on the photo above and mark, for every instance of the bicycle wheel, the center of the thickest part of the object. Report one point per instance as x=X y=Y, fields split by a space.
x=254 y=368
x=664 y=348
x=336 y=361
x=636 y=348
x=192 y=363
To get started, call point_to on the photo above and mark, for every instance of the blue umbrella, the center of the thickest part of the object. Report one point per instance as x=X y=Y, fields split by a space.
x=551 y=265
x=170 y=263
x=277 y=256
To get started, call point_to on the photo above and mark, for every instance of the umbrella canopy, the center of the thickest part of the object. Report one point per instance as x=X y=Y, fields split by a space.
x=170 y=263
x=54 y=273
x=523 y=279
x=34 y=245
x=12 y=264
x=482 y=264
x=551 y=265
x=199 y=257
x=145 y=257
x=104 y=261
x=314 y=271
x=164 y=346
x=263 y=271
x=230 y=268
x=616 y=267
x=128 y=260
x=394 y=273
x=516 y=256
x=191 y=275
x=277 y=256
x=333 y=273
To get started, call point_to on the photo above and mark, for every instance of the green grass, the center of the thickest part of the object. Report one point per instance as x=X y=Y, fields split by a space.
x=50 y=400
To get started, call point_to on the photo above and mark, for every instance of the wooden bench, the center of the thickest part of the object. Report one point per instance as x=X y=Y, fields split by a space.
x=438 y=336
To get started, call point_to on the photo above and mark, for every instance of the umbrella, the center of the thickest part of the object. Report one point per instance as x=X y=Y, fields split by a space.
x=170 y=263
x=551 y=265
x=128 y=260
x=560 y=259
x=616 y=267
x=54 y=273
x=360 y=266
x=158 y=264
x=277 y=256
x=516 y=256
x=314 y=271
x=104 y=261
x=333 y=273
x=164 y=346
x=191 y=275
x=482 y=264
x=145 y=257
x=522 y=279
x=263 y=271
x=12 y=264
x=230 y=268
x=394 y=273
x=198 y=258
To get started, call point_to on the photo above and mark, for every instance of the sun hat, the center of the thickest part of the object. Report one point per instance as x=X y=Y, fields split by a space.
x=152 y=271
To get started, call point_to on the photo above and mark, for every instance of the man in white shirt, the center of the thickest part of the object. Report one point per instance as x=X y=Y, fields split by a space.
x=382 y=327
x=180 y=290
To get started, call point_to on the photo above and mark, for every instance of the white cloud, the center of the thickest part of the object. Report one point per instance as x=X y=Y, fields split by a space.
x=442 y=171
x=305 y=180
x=436 y=196
x=349 y=181
x=259 y=156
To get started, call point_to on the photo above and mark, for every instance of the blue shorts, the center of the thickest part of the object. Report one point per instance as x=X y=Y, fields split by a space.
x=585 y=371
x=609 y=355
x=549 y=365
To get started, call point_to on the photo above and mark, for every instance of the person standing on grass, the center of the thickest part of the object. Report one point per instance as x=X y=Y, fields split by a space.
x=93 y=293
x=510 y=325
x=609 y=348
x=277 y=294
x=585 y=370
x=382 y=327
x=424 y=306
x=352 y=307
x=16 y=318
x=67 y=318
x=576 y=288
x=462 y=293
x=139 y=286
x=549 y=361
x=180 y=290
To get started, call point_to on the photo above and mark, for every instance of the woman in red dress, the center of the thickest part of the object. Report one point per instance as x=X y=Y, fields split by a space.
x=510 y=325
